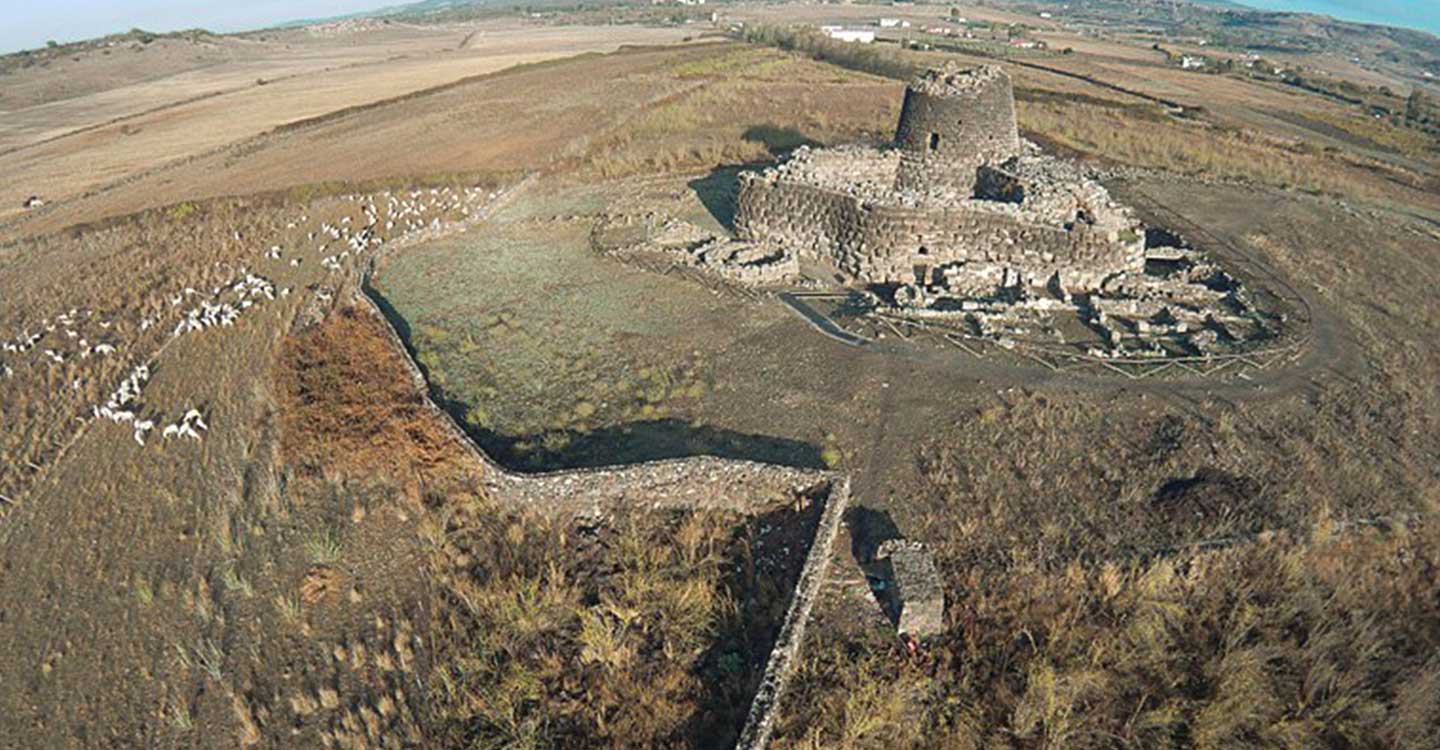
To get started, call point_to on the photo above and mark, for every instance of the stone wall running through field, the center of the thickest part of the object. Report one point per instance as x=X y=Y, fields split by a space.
x=699 y=482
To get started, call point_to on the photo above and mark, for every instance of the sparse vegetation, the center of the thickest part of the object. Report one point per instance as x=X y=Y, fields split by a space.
x=323 y=547
x=1259 y=645
x=740 y=112
x=143 y=593
x=288 y=607
x=234 y=581
x=177 y=714
x=1120 y=136
x=641 y=635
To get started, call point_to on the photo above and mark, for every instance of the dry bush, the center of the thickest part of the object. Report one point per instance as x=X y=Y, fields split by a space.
x=631 y=635
x=347 y=405
x=1322 y=642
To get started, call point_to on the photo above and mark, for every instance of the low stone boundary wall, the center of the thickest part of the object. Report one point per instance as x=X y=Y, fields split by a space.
x=704 y=482
x=698 y=482
x=760 y=722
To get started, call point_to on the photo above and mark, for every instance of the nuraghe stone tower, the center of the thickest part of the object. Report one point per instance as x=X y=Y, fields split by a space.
x=951 y=124
x=957 y=200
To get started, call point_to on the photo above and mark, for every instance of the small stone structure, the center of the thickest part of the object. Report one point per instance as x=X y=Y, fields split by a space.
x=915 y=592
x=755 y=264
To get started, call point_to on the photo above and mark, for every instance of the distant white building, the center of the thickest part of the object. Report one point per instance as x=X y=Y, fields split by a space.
x=889 y=23
x=863 y=36
x=1190 y=62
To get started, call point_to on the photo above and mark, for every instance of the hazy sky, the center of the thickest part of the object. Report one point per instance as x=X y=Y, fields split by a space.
x=29 y=23
x=1419 y=14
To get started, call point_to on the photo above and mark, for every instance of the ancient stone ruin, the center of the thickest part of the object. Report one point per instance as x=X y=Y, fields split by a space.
x=914 y=591
x=957 y=200
x=961 y=223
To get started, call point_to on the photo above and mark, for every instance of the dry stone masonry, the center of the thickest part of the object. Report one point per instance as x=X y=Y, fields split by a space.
x=952 y=123
x=916 y=594
x=961 y=221
x=958 y=193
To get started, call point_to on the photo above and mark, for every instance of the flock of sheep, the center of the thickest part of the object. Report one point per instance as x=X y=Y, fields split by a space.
x=123 y=404
x=68 y=337
x=64 y=324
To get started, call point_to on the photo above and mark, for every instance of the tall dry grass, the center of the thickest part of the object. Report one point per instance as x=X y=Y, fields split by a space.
x=739 y=101
x=1121 y=136
x=1326 y=641
x=631 y=635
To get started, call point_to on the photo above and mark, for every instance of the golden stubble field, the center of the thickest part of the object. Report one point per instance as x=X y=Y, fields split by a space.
x=63 y=148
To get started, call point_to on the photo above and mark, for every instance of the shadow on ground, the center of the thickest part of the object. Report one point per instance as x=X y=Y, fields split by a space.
x=769 y=553
x=778 y=140
x=869 y=528
x=718 y=189
x=635 y=442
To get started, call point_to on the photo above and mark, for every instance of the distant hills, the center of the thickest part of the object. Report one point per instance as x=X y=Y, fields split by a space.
x=420 y=8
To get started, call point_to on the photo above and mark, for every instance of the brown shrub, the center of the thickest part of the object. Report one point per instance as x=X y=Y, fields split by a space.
x=321 y=583
x=348 y=407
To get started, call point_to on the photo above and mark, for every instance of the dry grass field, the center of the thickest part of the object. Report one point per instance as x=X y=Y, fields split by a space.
x=74 y=145
x=1127 y=563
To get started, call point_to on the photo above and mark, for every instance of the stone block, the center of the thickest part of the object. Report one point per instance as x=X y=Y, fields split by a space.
x=916 y=594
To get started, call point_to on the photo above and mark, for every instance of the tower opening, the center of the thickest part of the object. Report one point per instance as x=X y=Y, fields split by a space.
x=934 y=141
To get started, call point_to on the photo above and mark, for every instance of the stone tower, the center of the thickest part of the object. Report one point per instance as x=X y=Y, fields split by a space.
x=953 y=121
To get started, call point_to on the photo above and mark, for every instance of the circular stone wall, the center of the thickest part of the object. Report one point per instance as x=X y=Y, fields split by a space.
x=952 y=122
